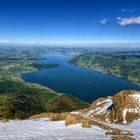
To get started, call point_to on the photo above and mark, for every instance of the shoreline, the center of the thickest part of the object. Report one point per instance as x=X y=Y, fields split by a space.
x=70 y=63
x=37 y=84
x=19 y=78
x=116 y=76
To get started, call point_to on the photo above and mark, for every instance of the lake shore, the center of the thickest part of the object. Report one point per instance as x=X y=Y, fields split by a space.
x=86 y=81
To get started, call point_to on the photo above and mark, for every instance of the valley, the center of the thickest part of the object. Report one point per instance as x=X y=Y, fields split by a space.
x=51 y=88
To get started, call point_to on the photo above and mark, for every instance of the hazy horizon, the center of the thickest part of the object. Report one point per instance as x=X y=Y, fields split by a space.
x=74 y=45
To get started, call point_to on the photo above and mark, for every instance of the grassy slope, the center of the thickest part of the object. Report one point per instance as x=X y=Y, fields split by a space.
x=21 y=100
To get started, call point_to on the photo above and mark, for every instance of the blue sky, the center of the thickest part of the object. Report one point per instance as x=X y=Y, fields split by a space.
x=70 y=21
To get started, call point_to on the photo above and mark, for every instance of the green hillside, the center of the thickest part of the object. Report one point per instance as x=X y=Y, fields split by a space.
x=121 y=64
x=21 y=100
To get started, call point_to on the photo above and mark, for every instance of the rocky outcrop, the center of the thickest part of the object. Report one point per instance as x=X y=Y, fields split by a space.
x=123 y=107
x=74 y=118
x=127 y=106
x=51 y=116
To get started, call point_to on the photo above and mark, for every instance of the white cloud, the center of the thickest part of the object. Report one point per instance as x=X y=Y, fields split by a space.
x=128 y=21
x=103 y=21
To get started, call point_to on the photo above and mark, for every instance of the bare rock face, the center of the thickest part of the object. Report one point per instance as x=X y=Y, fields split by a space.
x=71 y=119
x=75 y=118
x=99 y=110
x=123 y=108
x=127 y=106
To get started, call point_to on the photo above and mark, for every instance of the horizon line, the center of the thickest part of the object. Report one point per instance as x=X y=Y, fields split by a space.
x=88 y=44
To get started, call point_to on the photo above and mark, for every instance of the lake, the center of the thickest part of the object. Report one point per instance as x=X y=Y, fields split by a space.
x=82 y=83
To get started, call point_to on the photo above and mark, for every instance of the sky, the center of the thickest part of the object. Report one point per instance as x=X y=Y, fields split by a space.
x=70 y=21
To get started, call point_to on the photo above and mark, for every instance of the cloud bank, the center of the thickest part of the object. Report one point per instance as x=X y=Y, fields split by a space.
x=128 y=21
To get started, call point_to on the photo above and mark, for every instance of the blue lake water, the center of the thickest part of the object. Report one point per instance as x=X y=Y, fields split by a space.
x=85 y=84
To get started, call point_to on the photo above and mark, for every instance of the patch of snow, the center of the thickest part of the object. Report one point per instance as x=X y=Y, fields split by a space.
x=44 y=129
x=136 y=97
x=108 y=100
x=107 y=104
x=106 y=118
x=100 y=110
x=133 y=128
x=75 y=112
x=124 y=115
x=130 y=110
x=91 y=112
